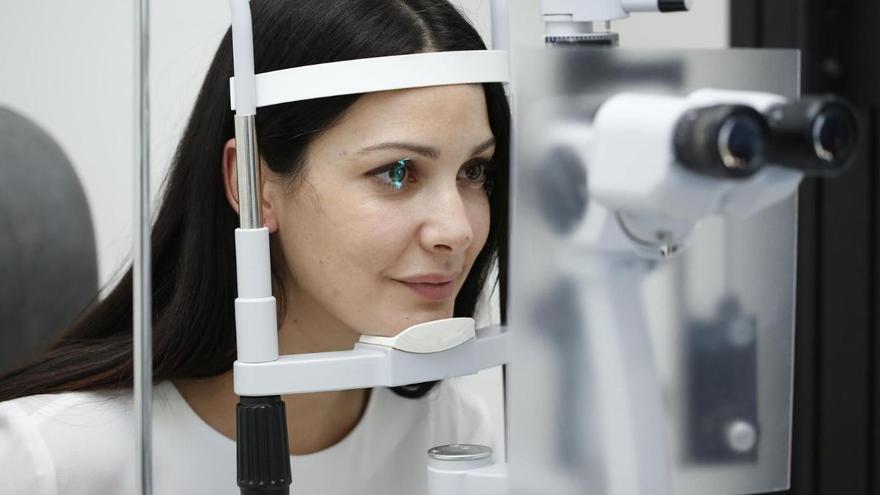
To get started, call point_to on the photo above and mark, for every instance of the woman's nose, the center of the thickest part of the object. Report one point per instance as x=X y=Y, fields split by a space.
x=447 y=228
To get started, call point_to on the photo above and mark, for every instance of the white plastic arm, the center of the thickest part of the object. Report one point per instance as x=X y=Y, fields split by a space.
x=655 y=5
x=630 y=416
x=369 y=365
x=608 y=10
x=243 y=52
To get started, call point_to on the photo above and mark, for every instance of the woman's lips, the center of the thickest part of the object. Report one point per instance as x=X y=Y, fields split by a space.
x=434 y=287
x=433 y=292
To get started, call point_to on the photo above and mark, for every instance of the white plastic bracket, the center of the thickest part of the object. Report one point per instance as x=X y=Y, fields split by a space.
x=370 y=365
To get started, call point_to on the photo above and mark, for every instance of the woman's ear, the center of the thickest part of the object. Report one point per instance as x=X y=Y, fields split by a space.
x=230 y=185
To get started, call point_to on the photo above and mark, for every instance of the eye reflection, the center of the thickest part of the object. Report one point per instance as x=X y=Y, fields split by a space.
x=395 y=174
x=398 y=173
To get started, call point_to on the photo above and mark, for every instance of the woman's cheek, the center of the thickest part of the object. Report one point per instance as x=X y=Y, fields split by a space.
x=480 y=218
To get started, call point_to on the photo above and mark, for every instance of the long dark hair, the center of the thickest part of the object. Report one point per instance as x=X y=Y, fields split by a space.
x=192 y=240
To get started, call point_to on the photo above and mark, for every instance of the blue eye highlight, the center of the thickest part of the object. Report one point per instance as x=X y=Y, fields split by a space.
x=394 y=175
x=398 y=173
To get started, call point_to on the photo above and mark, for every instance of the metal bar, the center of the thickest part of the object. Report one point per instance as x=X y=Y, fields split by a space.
x=500 y=18
x=142 y=291
x=247 y=159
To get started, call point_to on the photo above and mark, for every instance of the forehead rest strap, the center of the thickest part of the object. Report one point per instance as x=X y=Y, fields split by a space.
x=367 y=75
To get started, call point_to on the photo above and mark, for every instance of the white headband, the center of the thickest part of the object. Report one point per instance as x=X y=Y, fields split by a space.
x=366 y=75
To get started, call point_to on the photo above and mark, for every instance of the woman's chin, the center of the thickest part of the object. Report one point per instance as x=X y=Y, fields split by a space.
x=395 y=328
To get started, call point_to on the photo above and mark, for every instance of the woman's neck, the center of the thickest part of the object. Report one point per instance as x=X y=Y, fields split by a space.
x=315 y=421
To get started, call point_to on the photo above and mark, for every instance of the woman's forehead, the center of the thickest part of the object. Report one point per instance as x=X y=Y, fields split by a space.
x=432 y=113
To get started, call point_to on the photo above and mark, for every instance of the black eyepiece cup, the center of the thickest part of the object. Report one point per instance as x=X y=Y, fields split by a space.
x=725 y=141
x=817 y=135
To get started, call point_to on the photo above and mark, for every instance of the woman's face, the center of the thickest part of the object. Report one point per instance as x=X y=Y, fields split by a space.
x=391 y=211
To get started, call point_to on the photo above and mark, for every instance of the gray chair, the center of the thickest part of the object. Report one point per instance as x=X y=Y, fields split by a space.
x=48 y=262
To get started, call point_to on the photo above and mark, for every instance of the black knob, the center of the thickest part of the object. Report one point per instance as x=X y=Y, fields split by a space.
x=261 y=444
x=673 y=5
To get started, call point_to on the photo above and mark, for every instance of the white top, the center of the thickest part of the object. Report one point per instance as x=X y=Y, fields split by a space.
x=82 y=443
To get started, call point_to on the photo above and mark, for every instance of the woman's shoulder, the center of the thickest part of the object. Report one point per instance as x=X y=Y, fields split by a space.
x=23 y=452
x=48 y=407
x=79 y=410
x=53 y=440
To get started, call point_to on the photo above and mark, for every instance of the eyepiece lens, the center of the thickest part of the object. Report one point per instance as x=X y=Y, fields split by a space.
x=833 y=134
x=741 y=141
x=721 y=141
x=817 y=135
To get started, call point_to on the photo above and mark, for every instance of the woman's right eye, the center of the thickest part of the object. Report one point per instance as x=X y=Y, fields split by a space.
x=395 y=175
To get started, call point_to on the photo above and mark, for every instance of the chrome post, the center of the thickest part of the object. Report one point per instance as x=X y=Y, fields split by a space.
x=142 y=290
x=247 y=166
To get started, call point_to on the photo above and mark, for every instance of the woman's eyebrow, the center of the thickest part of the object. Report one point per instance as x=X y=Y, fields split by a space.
x=483 y=146
x=427 y=151
x=419 y=149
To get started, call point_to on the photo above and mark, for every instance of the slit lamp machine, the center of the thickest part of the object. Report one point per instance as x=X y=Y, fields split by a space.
x=648 y=349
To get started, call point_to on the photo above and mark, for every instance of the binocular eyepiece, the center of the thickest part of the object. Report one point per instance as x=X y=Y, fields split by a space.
x=817 y=136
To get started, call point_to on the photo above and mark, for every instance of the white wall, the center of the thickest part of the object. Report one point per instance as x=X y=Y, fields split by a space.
x=705 y=26
x=65 y=65
x=68 y=66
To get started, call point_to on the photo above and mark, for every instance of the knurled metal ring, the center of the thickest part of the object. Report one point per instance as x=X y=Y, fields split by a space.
x=597 y=39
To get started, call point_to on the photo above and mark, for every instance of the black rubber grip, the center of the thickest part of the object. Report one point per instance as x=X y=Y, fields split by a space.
x=672 y=5
x=261 y=445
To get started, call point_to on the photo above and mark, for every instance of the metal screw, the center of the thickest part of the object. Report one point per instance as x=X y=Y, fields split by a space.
x=741 y=332
x=668 y=250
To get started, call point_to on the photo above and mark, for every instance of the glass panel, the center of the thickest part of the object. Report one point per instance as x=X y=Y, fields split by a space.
x=631 y=375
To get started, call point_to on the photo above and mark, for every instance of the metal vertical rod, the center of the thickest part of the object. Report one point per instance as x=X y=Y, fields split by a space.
x=499 y=14
x=248 y=172
x=142 y=286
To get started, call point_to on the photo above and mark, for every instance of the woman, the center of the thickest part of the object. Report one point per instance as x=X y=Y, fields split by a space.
x=385 y=210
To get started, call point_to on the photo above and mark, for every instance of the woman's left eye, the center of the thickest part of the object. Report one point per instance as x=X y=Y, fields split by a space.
x=475 y=172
